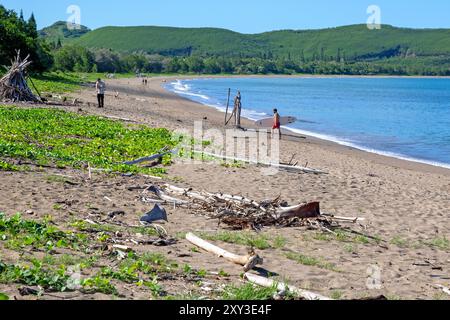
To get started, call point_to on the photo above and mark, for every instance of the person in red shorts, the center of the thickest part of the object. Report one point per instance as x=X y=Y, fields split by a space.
x=276 y=123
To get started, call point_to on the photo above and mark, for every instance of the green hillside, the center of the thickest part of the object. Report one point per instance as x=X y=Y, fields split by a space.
x=348 y=42
x=59 y=31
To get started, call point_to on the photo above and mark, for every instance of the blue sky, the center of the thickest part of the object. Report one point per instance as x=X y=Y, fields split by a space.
x=247 y=16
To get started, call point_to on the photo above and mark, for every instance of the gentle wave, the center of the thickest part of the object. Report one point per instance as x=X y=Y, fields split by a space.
x=182 y=88
x=366 y=149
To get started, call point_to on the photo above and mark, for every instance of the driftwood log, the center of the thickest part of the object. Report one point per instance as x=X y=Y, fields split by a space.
x=249 y=261
x=239 y=212
x=268 y=283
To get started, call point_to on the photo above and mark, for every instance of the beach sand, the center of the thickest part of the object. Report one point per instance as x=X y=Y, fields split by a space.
x=405 y=204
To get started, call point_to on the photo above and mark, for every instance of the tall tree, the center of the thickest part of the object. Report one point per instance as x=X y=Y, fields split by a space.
x=32 y=27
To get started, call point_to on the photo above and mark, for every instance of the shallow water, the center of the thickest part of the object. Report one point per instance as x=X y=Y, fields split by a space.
x=407 y=118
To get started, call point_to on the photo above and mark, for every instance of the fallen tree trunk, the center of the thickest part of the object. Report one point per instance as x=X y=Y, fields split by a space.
x=268 y=283
x=150 y=158
x=249 y=261
x=303 y=211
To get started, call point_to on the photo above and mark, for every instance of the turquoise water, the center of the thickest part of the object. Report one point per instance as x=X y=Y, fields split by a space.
x=407 y=118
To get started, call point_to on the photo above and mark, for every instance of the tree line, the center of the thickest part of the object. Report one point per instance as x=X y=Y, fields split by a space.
x=74 y=58
x=18 y=33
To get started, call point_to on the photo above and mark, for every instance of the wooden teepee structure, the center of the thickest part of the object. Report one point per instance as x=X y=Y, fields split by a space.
x=13 y=85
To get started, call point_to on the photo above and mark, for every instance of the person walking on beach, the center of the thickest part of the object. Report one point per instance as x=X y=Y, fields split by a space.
x=238 y=109
x=100 y=86
x=276 y=123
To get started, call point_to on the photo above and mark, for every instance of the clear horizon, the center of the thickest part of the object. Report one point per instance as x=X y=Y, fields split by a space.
x=246 y=17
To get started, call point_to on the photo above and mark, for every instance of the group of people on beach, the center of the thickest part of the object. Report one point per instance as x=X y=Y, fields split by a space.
x=100 y=87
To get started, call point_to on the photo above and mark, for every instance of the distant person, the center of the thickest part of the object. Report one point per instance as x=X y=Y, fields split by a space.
x=276 y=122
x=100 y=86
x=238 y=109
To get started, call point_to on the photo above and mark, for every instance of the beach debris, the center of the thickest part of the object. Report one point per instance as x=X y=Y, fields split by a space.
x=283 y=287
x=13 y=85
x=303 y=211
x=157 y=156
x=249 y=261
x=162 y=197
x=240 y=213
x=443 y=288
x=28 y=291
x=280 y=166
x=427 y=263
x=344 y=219
x=157 y=214
x=114 y=214
x=122 y=248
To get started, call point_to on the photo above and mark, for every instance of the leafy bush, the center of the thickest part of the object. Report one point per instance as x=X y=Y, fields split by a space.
x=68 y=139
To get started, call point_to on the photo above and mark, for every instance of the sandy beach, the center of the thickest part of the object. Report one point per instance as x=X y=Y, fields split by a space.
x=405 y=204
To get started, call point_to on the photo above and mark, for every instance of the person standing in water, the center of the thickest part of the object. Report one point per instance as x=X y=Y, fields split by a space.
x=100 y=86
x=276 y=123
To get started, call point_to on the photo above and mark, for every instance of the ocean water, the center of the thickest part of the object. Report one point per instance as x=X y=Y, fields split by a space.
x=407 y=118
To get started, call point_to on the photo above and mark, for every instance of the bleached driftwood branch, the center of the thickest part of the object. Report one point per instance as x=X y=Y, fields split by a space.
x=269 y=283
x=249 y=261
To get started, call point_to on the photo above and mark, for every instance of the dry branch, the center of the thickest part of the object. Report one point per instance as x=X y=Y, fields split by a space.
x=249 y=261
x=268 y=283
x=13 y=85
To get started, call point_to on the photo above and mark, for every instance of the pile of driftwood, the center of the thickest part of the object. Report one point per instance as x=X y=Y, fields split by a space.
x=13 y=85
x=240 y=213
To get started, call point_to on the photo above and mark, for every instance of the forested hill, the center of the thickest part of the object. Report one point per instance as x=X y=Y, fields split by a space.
x=59 y=32
x=348 y=43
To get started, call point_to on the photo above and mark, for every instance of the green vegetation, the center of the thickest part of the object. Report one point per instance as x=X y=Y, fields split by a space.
x=35 y=275
x=336 y=295
x=441 y=243
x=352 y=50
x=311 y=261
x=3 y=297
x=348 y=42
x=248 y=292
x=81 y=269
x=18 y=34
x=19 y=233
x=5 y=166
x=249 y=239
x=343 y=235
x=400 y=242
x=344 y=50
x=58 y=33
x=68 y=139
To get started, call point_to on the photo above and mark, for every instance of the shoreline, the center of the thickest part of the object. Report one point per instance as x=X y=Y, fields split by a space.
x=404 y=204
x=317 y=138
